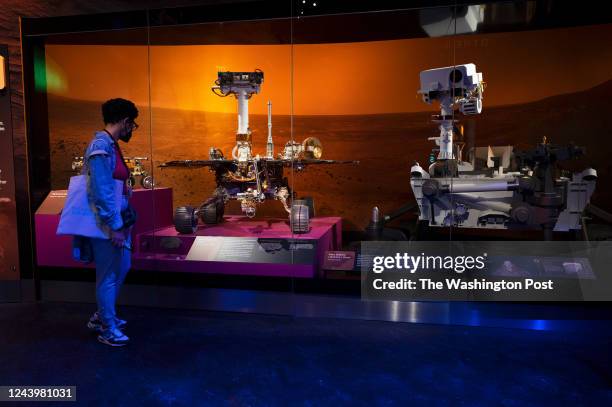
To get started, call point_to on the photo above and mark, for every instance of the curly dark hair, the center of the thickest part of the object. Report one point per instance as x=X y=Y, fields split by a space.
x=115 y=110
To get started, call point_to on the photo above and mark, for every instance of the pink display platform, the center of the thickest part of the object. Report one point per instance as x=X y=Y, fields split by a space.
x=239 y=245
x=154 y=208
x=242 y=246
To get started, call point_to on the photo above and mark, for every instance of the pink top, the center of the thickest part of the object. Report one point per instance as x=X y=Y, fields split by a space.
x=121 y=172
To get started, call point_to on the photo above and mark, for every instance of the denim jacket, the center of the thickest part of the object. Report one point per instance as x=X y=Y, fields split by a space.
x=100 y=161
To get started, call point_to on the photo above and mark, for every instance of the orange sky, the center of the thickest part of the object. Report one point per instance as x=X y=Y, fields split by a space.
x=352 y=78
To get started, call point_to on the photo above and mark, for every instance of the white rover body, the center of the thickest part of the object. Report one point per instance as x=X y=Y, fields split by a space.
x=484 y=192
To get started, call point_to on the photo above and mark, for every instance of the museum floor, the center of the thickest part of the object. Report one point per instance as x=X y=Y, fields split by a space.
x=195 y=358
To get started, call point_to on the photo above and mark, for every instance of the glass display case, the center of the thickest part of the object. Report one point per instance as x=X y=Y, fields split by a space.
x=274 y=139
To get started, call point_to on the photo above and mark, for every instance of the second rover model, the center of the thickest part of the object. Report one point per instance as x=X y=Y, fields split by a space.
x=250 y=178
x=496 y=187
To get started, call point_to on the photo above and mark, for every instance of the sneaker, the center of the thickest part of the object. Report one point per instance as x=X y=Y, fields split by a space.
x=113 y=337
x=95 y=323
x=120 y=323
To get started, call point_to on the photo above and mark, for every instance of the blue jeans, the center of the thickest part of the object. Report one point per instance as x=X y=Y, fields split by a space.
x=112 y=265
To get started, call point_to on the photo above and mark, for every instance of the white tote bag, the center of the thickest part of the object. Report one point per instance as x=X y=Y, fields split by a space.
x=78 y=217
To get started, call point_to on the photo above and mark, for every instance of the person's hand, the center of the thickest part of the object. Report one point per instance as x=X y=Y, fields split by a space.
x=117 y=238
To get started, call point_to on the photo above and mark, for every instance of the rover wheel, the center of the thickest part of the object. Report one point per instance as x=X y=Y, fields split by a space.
x=147 y=182
x=211 y=215
x=185 y=220
x=131 y=181
x=299 y=221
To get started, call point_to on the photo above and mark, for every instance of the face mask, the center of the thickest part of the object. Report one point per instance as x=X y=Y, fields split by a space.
x=127 y=135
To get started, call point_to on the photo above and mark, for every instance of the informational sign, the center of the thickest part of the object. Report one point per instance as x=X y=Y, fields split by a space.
x=339 y=260
x=253 y=250
x=9 y=251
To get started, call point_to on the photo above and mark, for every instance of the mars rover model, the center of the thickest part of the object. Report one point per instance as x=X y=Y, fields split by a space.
x=495 y=187
x=245 y=177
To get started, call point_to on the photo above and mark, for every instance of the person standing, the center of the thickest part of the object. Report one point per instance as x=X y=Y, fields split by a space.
x=104 y=162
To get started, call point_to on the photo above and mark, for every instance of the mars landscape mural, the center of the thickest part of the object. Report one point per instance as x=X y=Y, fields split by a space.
x=359 y=99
